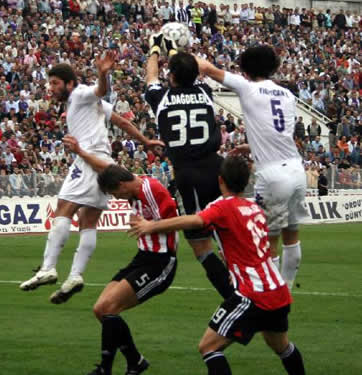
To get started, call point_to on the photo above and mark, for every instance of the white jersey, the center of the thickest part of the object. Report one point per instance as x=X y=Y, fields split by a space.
x=86 y=114
x=269 y=113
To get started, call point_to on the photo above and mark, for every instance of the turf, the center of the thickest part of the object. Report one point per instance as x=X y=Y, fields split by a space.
x=38 y=338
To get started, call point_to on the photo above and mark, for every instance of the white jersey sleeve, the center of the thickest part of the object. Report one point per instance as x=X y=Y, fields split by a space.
x=235 y=82
x=108 y=109
x=85 y=94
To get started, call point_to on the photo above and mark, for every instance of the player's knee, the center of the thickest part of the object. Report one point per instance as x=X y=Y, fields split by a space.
x=202 y=348
x=101 y=308
x=98 y=311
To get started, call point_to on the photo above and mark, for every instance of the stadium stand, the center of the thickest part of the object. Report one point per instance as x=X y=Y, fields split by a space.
x=320 y=63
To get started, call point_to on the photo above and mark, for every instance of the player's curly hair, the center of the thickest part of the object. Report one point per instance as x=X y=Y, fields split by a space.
x=235 y=173
x=64 y=72
x=109 y=178
x=259 y=62
x=184 y=68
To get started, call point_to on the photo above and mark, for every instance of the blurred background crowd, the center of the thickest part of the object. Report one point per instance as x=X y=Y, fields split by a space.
x=320 y=53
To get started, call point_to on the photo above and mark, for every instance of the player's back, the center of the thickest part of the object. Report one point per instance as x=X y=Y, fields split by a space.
x=242 y=235
x=86 y=114
x=269 y=113
x=186 y=121
x=154 y=202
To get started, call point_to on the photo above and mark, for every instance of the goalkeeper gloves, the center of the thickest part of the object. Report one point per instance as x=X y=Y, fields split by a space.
x=155 y=43
x=170 y=47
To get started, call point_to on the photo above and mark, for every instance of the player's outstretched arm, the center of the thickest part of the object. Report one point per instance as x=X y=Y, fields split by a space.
x=152 y=63
x=132 y=130
x=243 y=149
x=140 y=226
x=97 y=164
x=205 y=67
x=103 y=66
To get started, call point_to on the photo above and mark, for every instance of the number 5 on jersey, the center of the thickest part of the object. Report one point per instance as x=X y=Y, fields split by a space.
x=278 y=115
x=182 y=129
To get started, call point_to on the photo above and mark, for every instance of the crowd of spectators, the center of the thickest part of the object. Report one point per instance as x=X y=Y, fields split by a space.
x=320 y=53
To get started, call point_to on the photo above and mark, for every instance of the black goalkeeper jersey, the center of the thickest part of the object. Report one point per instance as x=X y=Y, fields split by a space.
x=186 y=121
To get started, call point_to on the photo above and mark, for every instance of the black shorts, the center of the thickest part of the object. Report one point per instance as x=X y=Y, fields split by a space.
x=149 y=274
x=198 y=185
x=238 y=319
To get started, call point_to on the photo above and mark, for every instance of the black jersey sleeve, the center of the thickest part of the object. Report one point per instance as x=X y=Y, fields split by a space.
x=207 y=89
x=154 y=95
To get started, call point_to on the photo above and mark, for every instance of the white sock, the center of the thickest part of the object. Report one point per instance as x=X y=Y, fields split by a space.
x=276 y=261
x=292 y=255
x=57 y=238
x=86 y=247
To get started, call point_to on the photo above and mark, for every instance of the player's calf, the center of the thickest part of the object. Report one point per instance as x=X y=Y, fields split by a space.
x=216 y=363
x=289 y=354
x=292 y=360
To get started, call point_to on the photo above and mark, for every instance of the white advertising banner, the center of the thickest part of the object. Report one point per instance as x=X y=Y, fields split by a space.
x=35 y=215
x=334 y=209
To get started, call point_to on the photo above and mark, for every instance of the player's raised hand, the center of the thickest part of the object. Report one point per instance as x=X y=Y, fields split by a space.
x=152 y=143
x=203 y=64
x=139 y=226
x=243 y=149
x=156 y=43
x=105 y=64
x=71 y=143
x=170 y=47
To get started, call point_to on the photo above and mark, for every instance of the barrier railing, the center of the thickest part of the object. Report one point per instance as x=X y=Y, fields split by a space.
x=42 y=184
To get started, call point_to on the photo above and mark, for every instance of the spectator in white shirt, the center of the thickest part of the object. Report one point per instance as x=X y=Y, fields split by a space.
x=295 y=18
x=11 y=103
x=140 y=153
x=251 y=13
x=122 y=105
x=317 y=102
x=8 y=156
x=44 y=153
x=235 y=14
x=305 y=94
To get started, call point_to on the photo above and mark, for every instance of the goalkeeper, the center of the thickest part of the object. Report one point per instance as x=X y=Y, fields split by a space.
x=185 y=115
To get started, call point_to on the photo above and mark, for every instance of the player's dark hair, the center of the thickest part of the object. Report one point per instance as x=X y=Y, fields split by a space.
x=185 y=69
x=235 y=173
x=109 y=179
x=64 y=72
x=259 y=62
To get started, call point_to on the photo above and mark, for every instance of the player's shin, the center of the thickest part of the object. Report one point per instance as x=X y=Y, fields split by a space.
x=292 y=360
x=292 y=255
x=216 y=363
x=111 y=331
x=217 y=273
x=57 y=238
x=127 y=346
x=87 y=245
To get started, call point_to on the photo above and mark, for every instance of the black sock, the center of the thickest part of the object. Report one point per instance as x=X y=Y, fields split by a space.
x=218 y=274
x=110 y=340
x=217 y=363
x=292 y=360
x=127 y=346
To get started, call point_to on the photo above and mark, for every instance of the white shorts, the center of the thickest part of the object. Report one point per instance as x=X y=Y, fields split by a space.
x=280 y=189
x=81 y=186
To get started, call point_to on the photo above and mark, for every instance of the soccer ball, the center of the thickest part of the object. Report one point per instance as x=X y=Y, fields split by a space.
x=178 y=32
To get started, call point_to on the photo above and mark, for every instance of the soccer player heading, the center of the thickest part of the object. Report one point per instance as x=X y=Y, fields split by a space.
x=86 y=115
x=151 y=271
x=261 y=299
x=186 y=121
x=269 y=113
